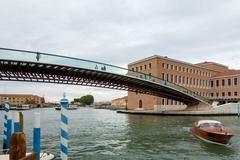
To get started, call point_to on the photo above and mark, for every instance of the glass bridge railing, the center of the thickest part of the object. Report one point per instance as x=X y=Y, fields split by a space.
x=28 y=56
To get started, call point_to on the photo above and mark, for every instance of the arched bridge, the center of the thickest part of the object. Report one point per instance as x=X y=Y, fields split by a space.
x=27 y=66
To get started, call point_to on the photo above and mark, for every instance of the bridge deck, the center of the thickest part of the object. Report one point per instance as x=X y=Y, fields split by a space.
x=18 y=65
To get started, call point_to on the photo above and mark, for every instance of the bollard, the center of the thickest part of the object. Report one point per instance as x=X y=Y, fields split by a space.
x=18 y=146
x=7 y=109
x=16 y=122
x=64 y=128
x=36 y=134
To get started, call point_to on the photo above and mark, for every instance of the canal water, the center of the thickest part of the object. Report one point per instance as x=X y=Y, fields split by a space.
x=104 y=134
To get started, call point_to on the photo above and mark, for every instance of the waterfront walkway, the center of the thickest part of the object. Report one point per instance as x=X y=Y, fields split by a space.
x=177 y=113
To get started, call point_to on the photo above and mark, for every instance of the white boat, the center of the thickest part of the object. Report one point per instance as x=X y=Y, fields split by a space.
x=24 y=107
x=70 y=107
x=43 y=156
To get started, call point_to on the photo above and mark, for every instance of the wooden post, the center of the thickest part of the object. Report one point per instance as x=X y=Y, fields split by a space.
x=21 y=121
x=17 y=146
x=32 y=156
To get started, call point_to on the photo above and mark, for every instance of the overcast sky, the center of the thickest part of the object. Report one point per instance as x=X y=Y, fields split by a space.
x=119 y=32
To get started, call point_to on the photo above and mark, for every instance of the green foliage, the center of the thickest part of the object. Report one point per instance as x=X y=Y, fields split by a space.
x=84 y=100
x=87 y=100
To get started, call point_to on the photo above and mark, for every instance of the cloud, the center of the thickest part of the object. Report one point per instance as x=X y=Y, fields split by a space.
x=120 y=32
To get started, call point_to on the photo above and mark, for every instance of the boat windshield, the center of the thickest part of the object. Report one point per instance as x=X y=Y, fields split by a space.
x=211 y=125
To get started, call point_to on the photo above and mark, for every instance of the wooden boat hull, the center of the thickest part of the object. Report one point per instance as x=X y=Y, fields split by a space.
x=213 y=137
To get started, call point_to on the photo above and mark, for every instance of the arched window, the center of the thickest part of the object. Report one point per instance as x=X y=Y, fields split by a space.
x=140 y=103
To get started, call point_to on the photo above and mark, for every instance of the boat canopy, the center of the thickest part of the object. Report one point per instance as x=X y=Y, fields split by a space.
x=207 y=121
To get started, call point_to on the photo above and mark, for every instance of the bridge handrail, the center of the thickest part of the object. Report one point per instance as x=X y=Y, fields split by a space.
x=37 y=57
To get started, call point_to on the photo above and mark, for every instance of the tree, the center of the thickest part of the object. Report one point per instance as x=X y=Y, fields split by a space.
x=87 y=100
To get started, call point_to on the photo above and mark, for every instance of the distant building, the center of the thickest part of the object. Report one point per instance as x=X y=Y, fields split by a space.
x=208 y=79
x=20 y=99
x=120 y=102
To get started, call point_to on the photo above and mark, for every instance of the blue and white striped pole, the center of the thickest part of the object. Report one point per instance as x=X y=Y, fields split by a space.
x=36 y=134
x=16 y=123
x=64 y=128
x=7 y=108
x=7 y=126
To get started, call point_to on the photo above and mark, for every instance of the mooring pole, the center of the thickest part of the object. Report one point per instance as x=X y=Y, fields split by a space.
x=36 y=134
x=16 y=122
x=7 y=126
x=64 y=128
x=7 y=108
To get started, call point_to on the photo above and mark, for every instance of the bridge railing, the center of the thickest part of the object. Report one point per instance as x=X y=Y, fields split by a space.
x=36 y=57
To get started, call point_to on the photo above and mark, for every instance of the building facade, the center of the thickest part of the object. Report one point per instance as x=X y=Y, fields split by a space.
x=120 y=102
x=208 y=79
x=20 y=99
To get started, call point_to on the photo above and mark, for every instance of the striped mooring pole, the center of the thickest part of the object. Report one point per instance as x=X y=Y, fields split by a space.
x=36 y=134
x=16 y=123
x=7 y=126
x=64 y=128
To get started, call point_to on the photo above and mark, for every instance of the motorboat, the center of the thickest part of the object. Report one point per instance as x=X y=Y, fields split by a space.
x=70 y=107
x=211 y=131
x=23 y=107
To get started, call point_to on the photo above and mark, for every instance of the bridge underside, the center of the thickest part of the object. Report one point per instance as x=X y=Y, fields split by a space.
x=48 y=73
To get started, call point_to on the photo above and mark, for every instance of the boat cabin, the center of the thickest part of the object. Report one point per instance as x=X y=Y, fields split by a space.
x=209 y=124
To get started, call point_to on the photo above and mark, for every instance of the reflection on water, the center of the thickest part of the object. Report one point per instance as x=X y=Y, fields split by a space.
x=104 y=134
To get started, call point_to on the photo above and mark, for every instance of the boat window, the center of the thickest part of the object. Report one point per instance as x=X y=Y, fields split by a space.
x=217 y=125
x=204 y=125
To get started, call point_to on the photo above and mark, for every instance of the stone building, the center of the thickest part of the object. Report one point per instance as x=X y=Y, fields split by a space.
x=208 y=79
x=20 y=99
x=120 y=102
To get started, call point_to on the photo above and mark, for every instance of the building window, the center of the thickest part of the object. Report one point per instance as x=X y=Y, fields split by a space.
x=187 y=80
x=223 y=82
x=235 y=82
x=211 y=94
x=183 y=80
x=229 y=94
x=217 y=83
x=179 y=79
x=190 y=81
x=145 y=66
x=176 y=79
x=171 y=78
x=223 y=94
x=150 y=66
x=140 y=68
x=187 y=70
x=137 y=69
x=167 y=77
x=163 y=65
x=229 y=82
x=132 y=69
x=163 y=101
x=163 y=76
x=183 y=69
x=175 y=67
x=179 y=68
x=235 y=93
x=211 y=83
x=172 y=67
x=217 y=94
x=167 y=66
